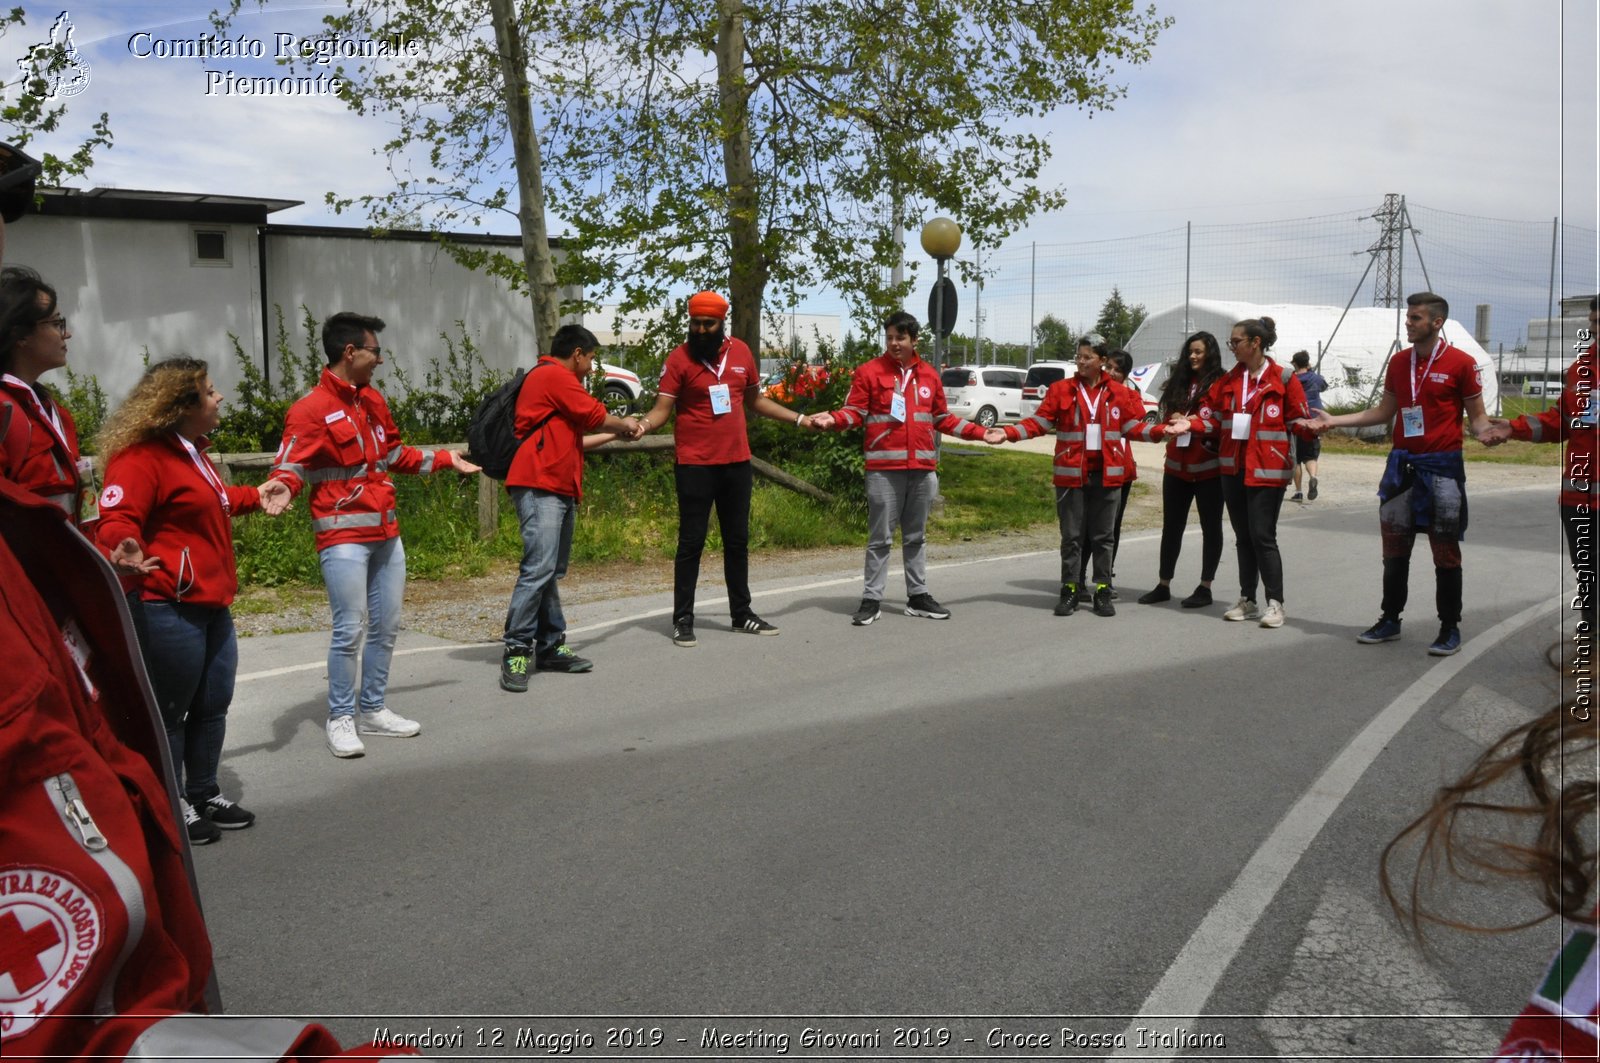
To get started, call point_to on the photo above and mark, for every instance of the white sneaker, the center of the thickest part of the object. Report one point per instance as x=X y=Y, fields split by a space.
x=1273 y=617
x=1244 y=609
x=388 y=724
x=342 y=740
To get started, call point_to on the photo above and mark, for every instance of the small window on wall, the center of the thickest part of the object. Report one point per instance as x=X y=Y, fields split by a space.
x=210 y=248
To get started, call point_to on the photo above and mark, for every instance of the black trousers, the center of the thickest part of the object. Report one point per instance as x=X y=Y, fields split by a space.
x=700 y=487
x=1253 y=512
x=1176 y=496
x=1087 y=514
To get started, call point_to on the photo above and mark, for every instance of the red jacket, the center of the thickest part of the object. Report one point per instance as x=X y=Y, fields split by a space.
x=551 y=459
x=342 y=441
x=891 y=444
x=1562 y=1020
x=1264 y=459
x=1197 y=460
x=1572 y=419
x=39 y=451
x=1118 y=410
x=158 y=496
x=100 y=934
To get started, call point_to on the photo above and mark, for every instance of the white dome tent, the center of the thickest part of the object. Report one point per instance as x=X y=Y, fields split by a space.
x=1353 y=363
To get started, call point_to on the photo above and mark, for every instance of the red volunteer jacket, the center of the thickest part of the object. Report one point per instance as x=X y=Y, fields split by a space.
x=1196 y=460
x=551 y=459
x=1264 y=459
x=341 y=440
x=1572 y=419
x=101 y=939
x=1118 y=410
x=39 y=445
x=891 y=444
x=1562 y=1020
x=157 y=495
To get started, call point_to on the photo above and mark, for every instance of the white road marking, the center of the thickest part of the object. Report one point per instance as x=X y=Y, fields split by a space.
x=1189 y=982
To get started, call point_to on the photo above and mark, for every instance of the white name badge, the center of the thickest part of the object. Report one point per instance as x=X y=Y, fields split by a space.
x=897 y=407
x=1411 y=421
x=1092 y=437
x=720 y=401
x=1239 y=427
x=1183 y=438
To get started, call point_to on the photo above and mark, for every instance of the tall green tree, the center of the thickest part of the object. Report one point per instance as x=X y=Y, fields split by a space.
x=1118 y=321
x=1052 y=340
x=35 y=100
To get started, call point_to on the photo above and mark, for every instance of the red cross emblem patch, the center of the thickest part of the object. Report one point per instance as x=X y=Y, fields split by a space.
x=50 y=929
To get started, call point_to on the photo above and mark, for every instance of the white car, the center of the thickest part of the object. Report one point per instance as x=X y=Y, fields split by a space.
x=989 y=395
x=1040 y=376
x=623 y=387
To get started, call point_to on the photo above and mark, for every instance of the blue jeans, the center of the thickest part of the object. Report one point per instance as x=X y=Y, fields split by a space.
x=192 y=655
x=366 y=583
x=535 y=621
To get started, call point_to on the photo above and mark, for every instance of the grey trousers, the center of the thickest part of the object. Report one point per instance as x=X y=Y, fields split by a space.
x=897 y=496
x=1087 y=513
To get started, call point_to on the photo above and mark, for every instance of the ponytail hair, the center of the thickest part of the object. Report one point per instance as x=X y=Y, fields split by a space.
x=1261 y=328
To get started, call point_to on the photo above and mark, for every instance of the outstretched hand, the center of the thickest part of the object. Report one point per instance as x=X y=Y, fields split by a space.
x=819 y=422
x=992 y=436
x=1498 y=432
x=1319 y=420
x=275 y=497
x=127 y=557
x=462 y=465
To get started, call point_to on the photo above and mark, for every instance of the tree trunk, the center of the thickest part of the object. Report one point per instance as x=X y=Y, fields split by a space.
x=536 y=254
x=747 y=272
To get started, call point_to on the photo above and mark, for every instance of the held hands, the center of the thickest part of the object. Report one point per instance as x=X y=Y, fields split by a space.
x=1178 y=425
x=819 y=422
x=1498 y=432
x=127 y=557
x=637 y=428
x=1319 y=421
x=992 y=436
x=275 y=498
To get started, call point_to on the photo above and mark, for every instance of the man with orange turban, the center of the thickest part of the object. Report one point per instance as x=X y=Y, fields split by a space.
x=710 y=381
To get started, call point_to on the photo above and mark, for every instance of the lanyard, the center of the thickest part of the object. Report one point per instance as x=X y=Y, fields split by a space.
x=1094 y=407
x=1245 y=388
x=48 y=415
x=204 y=465
x=1438 y=345
x=720 y=366
x=903 y=386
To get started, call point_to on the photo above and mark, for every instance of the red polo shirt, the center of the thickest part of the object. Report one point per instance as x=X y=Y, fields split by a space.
x=703 y=437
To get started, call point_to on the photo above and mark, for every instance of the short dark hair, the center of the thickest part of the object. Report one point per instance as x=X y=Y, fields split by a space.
x=1434 y=303
x=900 y=321
x=345 y=329
x=1302 y=359
x=20 y=314
x=1122 y=360
x=570 y=339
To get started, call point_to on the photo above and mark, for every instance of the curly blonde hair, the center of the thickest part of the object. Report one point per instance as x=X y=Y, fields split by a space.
x=156 y=405
x=1549 y=754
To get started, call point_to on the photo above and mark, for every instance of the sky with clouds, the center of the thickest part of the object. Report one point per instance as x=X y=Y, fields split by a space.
x=1249 y=111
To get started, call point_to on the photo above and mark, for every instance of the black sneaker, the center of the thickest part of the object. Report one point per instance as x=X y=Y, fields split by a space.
x=514 y=673
x=866 y=612
x=1448 y=643
x=201 y=830
x=562 y=659
x=1199 y=599
x=754 y=625
x=1297 y=497
x=683 y=634
x=1102 y=601
x=225 y=813
x=1159 y=593
x=924 y=605
x=1069 y=600
x=1385 y=630
x=1311 y=491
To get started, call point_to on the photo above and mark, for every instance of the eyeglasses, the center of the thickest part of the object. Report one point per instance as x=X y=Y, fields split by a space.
x=1235 y=341
x=58 y=323
x=378 y=351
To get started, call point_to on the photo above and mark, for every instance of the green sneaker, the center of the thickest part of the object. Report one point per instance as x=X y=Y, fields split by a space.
x=562 y=659
x=514 y=673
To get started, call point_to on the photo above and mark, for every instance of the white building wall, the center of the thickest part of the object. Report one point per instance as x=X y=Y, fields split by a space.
x=129 y=286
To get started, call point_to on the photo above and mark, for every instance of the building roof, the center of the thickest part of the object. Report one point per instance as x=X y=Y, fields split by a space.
x=146 y=205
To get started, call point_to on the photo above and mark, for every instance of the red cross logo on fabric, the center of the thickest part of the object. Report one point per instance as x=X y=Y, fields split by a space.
x=51 y=928
x=20 y=951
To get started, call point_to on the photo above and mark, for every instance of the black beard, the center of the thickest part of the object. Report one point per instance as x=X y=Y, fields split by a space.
x=705 y=346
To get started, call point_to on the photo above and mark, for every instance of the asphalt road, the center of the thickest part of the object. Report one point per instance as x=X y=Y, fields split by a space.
x=990 y=828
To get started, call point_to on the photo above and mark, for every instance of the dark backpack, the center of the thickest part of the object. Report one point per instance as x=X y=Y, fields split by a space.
x=492 y=439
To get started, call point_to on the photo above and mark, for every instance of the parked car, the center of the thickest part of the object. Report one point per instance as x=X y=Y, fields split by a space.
x=989 y=395
x=1040 y=376
x=623 y=388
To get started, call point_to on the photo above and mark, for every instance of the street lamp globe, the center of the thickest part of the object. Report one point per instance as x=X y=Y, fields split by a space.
x=941 y=238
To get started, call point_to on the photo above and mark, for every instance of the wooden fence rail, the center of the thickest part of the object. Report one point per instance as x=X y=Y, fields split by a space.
x=489 y=490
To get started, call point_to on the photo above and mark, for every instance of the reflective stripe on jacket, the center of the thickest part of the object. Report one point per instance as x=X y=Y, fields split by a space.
x=1265 y=459
x=1118 y=410
x=890 y=443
